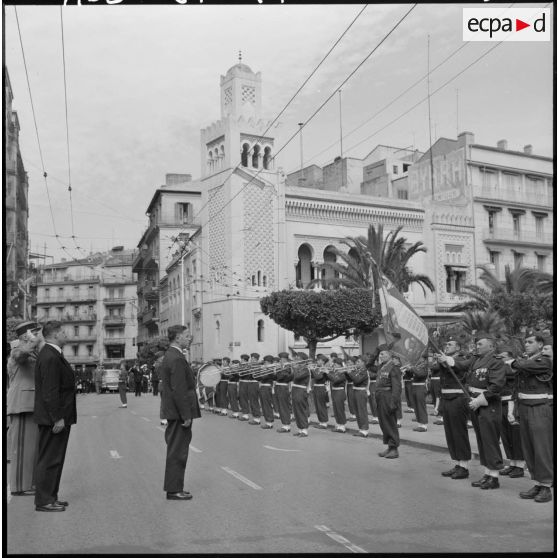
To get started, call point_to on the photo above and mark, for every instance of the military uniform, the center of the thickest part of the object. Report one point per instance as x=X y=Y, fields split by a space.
x=337 y=380
x=244 y=382
x=221 y=395
x=266 y=393
x=283 y=377
x=254 y=392
x=232 y=388
x=372 y=376
x=535 y=398
x=350 y=395
x=388 y=397
x=419 y=373
x=319 y=379
x=359 y=378
x=301 y=378
x=408 y=390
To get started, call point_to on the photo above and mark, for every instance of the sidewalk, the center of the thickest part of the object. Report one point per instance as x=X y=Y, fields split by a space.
x=433 y=439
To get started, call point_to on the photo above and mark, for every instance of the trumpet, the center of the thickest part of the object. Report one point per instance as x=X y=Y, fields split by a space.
x=259 y=370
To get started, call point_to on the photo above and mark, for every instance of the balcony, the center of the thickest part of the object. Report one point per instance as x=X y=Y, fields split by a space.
x=82 y=339
x=114 y=320
x=508 y=195
x=115 y=300
x=150 y=292
x=115 y=340
x=82 y=359
x=78 y=318
x=500 y=235
x=149 y=317
x=66 y=279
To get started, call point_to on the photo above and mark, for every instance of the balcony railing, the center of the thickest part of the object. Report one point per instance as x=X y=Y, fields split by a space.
x=66 y=299
x=500 y=234
x=78 y=318
x=149 y=317
x=67 y=279
x=82 y=338
x=115 y=300
x=82 y=359
x=150 y=292
x=509 y=195
x=110 y=320
x=115 y=340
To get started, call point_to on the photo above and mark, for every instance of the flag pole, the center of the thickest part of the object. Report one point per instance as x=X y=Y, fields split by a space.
x=437 y=350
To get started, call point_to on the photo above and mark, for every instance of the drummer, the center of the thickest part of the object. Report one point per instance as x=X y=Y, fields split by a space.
x=232 y=388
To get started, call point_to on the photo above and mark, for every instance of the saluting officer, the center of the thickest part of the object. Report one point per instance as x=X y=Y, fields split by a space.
x=359 y=377
x=232 y=388
x=511 y=436
x=266 y=396
x=485 y=378
x=388 y=398
x=319 y=379
x=535 y=398
x=301 y=378
x=455 y=409
x=283 y=377
x=244 y=382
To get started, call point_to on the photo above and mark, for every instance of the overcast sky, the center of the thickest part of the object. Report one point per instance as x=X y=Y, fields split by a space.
x=143 y=80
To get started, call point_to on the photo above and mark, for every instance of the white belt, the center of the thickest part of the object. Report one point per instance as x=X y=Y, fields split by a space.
x=359 y=387
x=434 y=378
x=451 y=390
x=300 y=386
x=476 y=390
x=506 y=397
x=343 y=387
x=535 y=396
x=418 y=383
x=318 y=385
x=244 y=380
x=281 y=383
x=232 y=382
x=373 y=381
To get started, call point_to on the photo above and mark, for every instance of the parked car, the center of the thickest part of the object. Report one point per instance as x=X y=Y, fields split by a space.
x=110 y=380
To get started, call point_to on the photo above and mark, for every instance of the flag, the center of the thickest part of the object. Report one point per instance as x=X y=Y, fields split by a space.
x=402 y=323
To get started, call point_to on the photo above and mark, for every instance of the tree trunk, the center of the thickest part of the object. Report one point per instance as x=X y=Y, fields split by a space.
x=312 y=345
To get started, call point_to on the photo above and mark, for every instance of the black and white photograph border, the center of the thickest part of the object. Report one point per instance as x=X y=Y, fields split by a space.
x=245 y=170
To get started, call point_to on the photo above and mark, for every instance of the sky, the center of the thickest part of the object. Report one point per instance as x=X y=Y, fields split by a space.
x=142 y=81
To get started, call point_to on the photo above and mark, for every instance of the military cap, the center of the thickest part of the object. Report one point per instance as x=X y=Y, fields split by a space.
x=321 y=357
x=383 y=347
x=226 y=359
x=276 y=359
x=255 y=355
x=337 y=360
x=484 y=335
x=268 y=358
x=24 y=327
x=283 y=355
x=217 y=361
x=245 y=357
x=302 y=356
x=506 y=349
x=332 y=355
x=235 y=361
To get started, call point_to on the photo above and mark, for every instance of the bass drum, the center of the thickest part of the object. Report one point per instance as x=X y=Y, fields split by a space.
x=209 y=375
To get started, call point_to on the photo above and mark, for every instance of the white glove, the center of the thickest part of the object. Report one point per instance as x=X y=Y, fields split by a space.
x=509 y=361
x=479 y=401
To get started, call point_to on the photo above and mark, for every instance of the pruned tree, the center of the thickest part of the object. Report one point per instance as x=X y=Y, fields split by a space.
x=148 y=352
x=321 y=316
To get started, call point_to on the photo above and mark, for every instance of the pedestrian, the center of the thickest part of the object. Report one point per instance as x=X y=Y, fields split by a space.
x=138 y=380
x=98 y=378
x=359 y=377
x=283 y=378
x=511 y=436
x=122 y=383
x=337 y=380
x=388 y=399
x=535 y=398
x=179 y=407
x=408 y=389
x=266 y=391
x=419 y=373
x=159 y=355
x=319 y=379
x=155 y=381
x=485 y=378
x=144 y=378
x=454 y=409
x=55 y=412
x=301 y=378
x=20 y=400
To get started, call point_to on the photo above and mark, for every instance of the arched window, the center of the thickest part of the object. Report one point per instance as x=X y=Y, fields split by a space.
x=218 y=331
x=329 y=258
x=256 y=156
x=261 y=329
x=253 y=280
x=217 y=160
x=209 y=161
x=304 y=271
x=267 y=158
x=264 y=281
x=259 y=278
x=244 y=155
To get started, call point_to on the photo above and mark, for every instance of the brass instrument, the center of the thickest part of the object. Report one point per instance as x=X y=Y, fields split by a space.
x=259 y=370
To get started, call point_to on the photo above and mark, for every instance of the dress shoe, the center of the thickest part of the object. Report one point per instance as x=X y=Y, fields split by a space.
x=179 y=496
x=460 y=473
x=420 y=429
x=392 y=454
x=50 y=508
x=24 y=493
x=450 y=472
x=544 y=495
x=516 y=473
x=301 y=434
x=340 y=430
x=283 y=430
x=438 y=421
x=409 y=411
x=320 y=426
x=531 y=493
x=490 y=484
x=506 y=471
x=62 y=503
x=267 y=426
x=254 y=422
x=243 y=419
x=480 y=482
x=360 y=434
x=351 y=418
x=374 y=420
x=384 y=453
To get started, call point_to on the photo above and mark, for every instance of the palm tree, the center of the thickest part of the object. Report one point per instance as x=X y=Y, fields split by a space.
x=475 y=321
x=367 y=256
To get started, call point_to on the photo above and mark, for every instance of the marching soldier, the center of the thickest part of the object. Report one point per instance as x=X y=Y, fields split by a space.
x=388 y=398
x=266 y=396
x=455 y=410
x=283 y=377
x=276 y=362
x=254 y=392
x=301 y=377
x=535 y=399
x=319 y=379
x=243 y=383
x=337 y=379
x=232 y=388
x=359 y=377
x=485 y=378
x=419 y=374
x=511 y=437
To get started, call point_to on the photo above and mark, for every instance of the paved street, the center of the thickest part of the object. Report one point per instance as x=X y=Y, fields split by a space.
x=259 y=491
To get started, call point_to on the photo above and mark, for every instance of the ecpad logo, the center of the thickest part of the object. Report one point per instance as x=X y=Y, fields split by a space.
x=506 y=24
